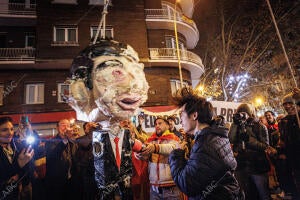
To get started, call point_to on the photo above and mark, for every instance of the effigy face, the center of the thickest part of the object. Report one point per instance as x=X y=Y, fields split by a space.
x=108 y=82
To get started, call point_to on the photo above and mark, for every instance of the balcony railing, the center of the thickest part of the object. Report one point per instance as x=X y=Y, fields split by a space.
x=171 y=54
x=164 y=19
x=18 y=9
x=189 y=60
x=17 y=54
x=165 y=14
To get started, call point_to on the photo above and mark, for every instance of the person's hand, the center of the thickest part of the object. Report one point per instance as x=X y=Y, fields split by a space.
x=182 y=132
x=139 y=156
x=271 y=151
x=92 y=126
x=141 y=119
x=182 y=145
x=296 y=93
x=25 y=156
x=149 y=149
x=282 y=156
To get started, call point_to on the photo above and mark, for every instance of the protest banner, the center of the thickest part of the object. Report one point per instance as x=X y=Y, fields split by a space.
x=223 y=108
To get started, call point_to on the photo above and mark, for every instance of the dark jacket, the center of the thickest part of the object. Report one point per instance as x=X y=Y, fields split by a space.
x=256 y=140
x=177 y=133
x=207 y=174
x=290 y=136
x=109 y=178
x=59 y=158
x=8 y=188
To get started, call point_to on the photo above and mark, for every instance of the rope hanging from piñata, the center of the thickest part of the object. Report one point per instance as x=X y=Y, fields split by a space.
x=102 y=23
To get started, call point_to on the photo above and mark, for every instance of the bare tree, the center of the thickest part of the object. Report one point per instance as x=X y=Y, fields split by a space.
x=241 y=57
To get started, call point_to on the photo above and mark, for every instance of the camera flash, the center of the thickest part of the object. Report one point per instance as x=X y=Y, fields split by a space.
x=30 y=139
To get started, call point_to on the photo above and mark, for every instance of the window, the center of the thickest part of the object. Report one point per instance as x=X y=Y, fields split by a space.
x=171 y=43
x=96 y=2
x=29 y=40
x=1 y=94
x=65 y=35
x=109 y=32
x=65 y=1
x=34 y=93
x=175 y=85
x=63 y=89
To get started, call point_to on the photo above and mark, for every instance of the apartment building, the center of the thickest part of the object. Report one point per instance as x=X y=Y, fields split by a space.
x=39 y=39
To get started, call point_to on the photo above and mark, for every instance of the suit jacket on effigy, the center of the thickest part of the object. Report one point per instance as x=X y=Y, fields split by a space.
x=107 y=175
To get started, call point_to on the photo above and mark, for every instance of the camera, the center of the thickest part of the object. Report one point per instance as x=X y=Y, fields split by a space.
x=240 y=118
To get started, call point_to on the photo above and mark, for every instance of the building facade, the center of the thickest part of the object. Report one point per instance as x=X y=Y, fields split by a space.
x=40 y=38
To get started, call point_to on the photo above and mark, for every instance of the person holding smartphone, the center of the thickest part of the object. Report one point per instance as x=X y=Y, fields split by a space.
x=25 y=136
x=13 y=160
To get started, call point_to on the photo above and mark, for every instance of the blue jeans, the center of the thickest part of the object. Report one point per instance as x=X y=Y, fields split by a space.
x=255 y=186
x=160 y=193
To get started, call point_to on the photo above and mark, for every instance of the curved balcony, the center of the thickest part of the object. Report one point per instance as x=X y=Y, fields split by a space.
x=168 y=57
x=164 y=19
x=17 y=55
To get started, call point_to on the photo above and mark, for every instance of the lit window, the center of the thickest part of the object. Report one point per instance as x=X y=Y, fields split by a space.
x=65 y=1
x=65 y=35
x=1 y=94
x=34 y=93
x=175 y=85
x=109 y=32
x=63 y=90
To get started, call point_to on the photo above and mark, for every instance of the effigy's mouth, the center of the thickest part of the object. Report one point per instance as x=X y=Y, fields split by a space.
x=129 y=102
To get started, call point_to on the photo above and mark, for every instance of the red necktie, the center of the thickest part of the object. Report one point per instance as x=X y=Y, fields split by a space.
x=118 y=159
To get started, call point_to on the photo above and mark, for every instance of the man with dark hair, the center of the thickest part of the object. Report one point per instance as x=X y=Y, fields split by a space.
x=208 y=173
x=289 y=129
x=250 y=143
x=171 y=119
x=60 y=169
x=84 y=161
x=160 y=145
x=272 y=127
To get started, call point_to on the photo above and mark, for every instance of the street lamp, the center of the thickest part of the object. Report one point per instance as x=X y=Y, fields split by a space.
x=200 y=88
x=258 y=101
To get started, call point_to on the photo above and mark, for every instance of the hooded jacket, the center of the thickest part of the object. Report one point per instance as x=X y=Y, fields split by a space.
x=207 y=174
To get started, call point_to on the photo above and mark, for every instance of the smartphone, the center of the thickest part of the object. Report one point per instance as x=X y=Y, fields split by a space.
x=142 y=114
x=24 y=120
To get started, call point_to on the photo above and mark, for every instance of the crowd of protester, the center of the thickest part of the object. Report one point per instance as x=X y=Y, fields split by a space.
x=205 y=159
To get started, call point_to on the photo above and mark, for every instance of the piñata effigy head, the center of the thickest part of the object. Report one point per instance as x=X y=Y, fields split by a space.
x=107 y=82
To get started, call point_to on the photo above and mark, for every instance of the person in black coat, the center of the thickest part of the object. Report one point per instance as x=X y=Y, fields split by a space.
x=60 y=169
x=289 y=128
x=84 y=162
x=13 y=161
x=250 y=142
x=208 y=173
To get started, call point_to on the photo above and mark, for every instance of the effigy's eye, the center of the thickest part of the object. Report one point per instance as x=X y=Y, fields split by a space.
x=109 y=63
